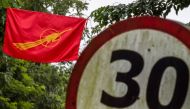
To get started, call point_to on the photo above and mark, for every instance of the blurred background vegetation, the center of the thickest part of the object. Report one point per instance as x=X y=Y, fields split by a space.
x=28 y=85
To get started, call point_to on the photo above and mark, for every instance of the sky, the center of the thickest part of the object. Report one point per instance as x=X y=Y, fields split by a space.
x=183 y=16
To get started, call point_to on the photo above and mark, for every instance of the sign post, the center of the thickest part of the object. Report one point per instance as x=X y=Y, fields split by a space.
x=139 y=63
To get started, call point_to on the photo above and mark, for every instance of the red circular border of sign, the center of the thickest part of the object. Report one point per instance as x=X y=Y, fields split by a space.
x=146 y=22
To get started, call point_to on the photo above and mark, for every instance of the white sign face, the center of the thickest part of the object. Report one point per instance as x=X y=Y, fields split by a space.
x=139 y=63
x=139 y=69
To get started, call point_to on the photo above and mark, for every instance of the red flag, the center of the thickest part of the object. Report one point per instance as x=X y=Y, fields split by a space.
x=42 y=37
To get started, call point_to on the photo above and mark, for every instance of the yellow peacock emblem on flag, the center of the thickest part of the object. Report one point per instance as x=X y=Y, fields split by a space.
x=45 y=39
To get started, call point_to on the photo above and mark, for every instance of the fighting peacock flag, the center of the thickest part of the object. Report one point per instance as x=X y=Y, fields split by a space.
x=42 y=37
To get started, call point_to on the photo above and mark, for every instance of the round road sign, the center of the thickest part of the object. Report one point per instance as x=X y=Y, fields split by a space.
x=139 y=63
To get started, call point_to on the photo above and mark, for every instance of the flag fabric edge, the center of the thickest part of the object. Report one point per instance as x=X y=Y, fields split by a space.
x=41 y=58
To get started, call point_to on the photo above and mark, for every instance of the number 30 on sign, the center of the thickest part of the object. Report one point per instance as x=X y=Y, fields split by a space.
x=139 y=63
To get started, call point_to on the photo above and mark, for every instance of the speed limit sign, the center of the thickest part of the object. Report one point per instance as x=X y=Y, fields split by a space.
x=139 y=63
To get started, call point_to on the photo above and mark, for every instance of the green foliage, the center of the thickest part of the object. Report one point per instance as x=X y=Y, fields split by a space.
x=10 y=3
x=61 y=7
x=188 y=24
x=179 y=4
x=18 y=90
x=27 y=85
x=2 y=26
x=107 y=15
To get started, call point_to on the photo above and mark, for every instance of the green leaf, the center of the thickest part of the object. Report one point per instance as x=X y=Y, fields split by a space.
x=5 y=3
